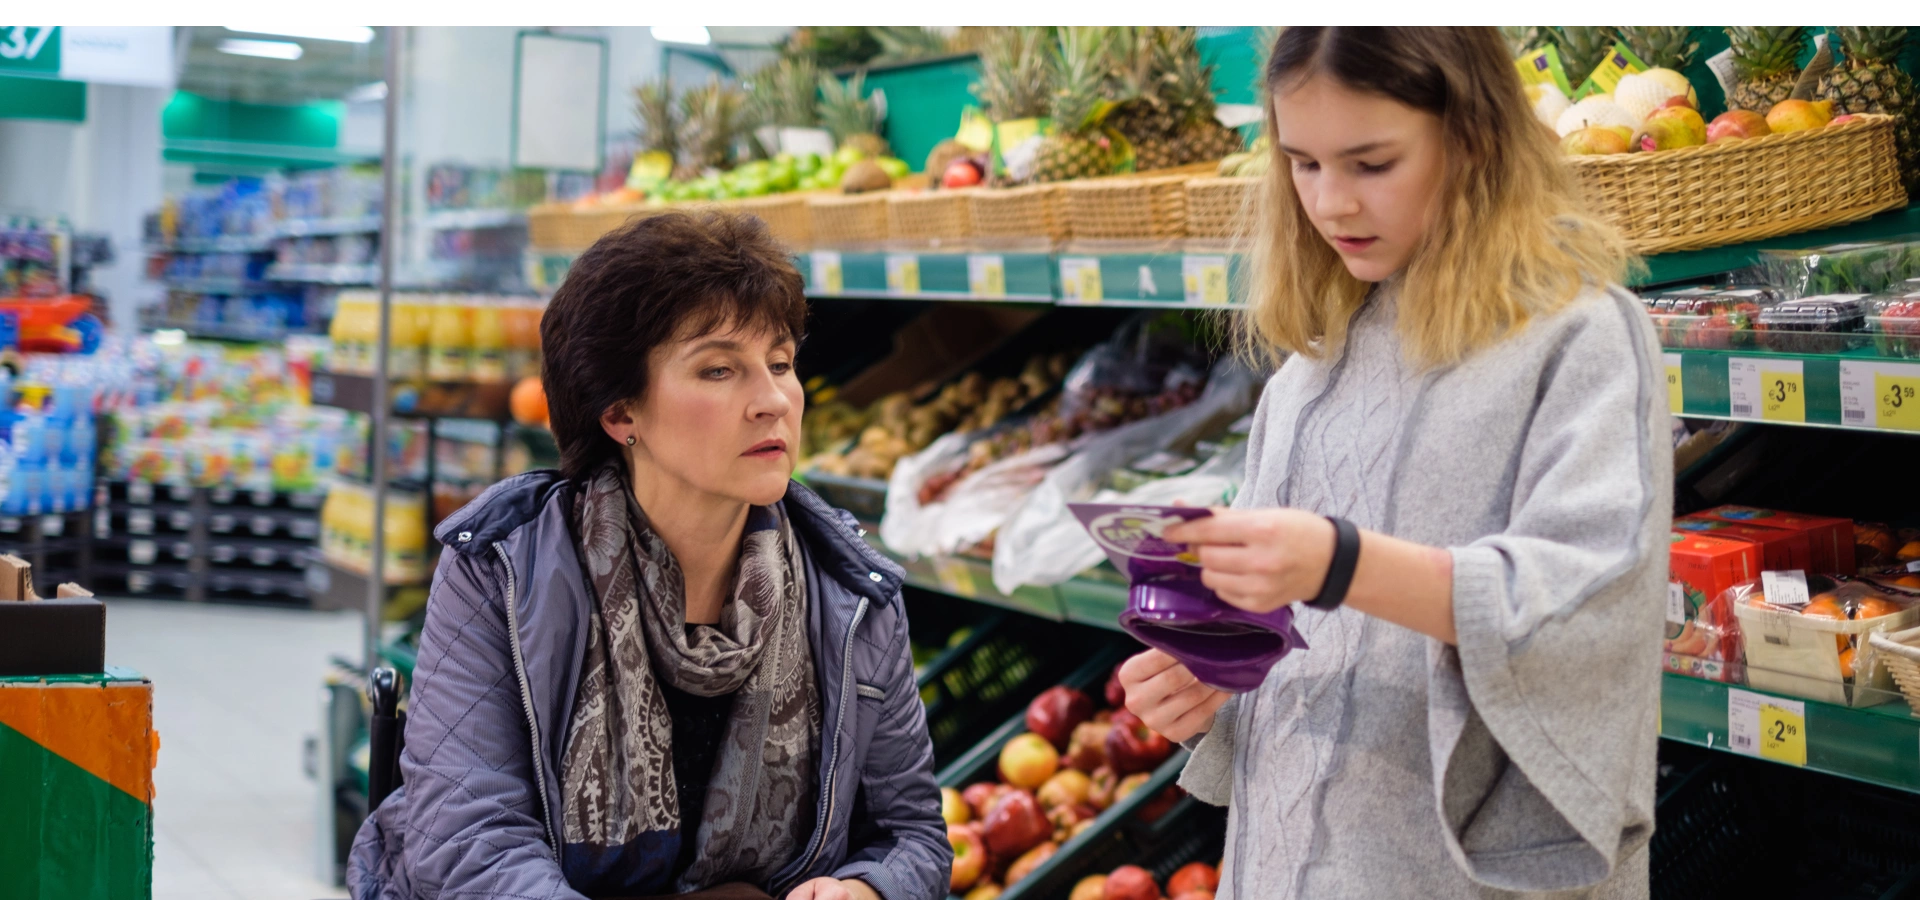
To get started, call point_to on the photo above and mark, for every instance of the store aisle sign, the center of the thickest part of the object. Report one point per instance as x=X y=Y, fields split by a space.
x=1880 y=395
x=1769 y=390
x=138 y=55
x=1767 y=727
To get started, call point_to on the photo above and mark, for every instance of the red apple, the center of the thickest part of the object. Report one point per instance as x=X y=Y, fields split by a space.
x=1133 y=747
x=979 y=796
x=1195 y=894
x=1066 y=788
x=1092 y=887
x=969 y=856
x=961 y=173
x=1116 y=692
x=1057 y=712
x=1030 y=861
x=1193 y=876
x=953 y=807
x=1015 y=824
x=1152 y=810
x=1131 y=883
x=1087 y=749
x=1100 y=794
x=1028 y=761
x=1685 y=100
x=1068 y=819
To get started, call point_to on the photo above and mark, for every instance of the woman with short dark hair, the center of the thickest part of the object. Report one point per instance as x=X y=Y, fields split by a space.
x=664 y=668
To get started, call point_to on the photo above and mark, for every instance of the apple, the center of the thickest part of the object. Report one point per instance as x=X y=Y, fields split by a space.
x=1015 y=824
x=1031 y=860
x=1133 y=747
x=961 y=173
x=1681 y=100
x=1092 y=887
x=1195 y=894
x=1193 y=876
x=1028 y=761
x=1131 y=883
x=1735 y=124
x=1672 y=127
x=1593 y=142
x=1116 y=692
x=1130 y=784
x=1087 y=749
x=1799 y=115
x=980 y=795
x=987 y=891
x=954 y=808
x=1066 y=788
x=1067 y=820
x=969 y=856
x=1152 y=810
x=1057 y=712
x=1100 y=794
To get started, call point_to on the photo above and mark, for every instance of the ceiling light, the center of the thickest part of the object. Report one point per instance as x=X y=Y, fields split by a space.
x=681 y=34
x=267 y=49
x=367 y=93
x=352 y=34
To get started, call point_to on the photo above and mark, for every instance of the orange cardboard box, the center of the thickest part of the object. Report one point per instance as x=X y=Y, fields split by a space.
x=1780 y=548
x=1707 y=566
x=1830 y=540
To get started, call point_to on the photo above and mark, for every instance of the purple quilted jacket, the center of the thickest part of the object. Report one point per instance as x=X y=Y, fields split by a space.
x=488 y=714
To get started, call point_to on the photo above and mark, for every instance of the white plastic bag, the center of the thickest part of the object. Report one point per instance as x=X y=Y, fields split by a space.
x=971 y=509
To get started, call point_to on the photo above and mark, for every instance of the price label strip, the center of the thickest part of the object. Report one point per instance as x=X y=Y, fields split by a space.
x=827 y=278
x=1205 y=280
x=1080 y=279
x=1767 y=727
x=987 y=276
x=903 y=274
x=1880 y=395
x=1676 y=398
x=1768 y=390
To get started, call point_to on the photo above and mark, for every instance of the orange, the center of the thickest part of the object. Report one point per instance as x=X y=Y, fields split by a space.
x=1873 y=606
x=1824 y=606
x=529 y=402
x=1908 y=581
x=1909 y=552
x=1846 y=663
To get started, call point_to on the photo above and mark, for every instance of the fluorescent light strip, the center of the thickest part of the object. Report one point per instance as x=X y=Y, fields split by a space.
x=681 y=34
x=351 y=34
x=267 y=49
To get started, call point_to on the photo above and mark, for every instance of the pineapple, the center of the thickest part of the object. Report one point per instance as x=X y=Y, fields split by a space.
x=1200 y=135
x=1765 y=65
x=1075 y=148
x=1661 y=46
x=786 y=94
x=1583 y=48
x=1872 y=82
x=1016 y=66
x=850 y=115
x=1145 y=116
x=901 y=43
x=713 y=118
x=1524 y=39
x=659 y=121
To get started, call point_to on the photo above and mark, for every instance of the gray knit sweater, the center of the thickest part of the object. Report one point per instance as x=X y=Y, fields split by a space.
x=1382 y=763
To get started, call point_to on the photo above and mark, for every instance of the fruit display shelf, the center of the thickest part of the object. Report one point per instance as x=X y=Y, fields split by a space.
x=992 y=277
x=1858 y=390
x=1877 y=744
x=1710 y=264
x=972 y=579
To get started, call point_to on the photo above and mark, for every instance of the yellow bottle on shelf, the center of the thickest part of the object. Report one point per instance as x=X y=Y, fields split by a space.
x=407 y=347
x=450 y=341
x=406 y=538
x=351 y=349
x=489 y=340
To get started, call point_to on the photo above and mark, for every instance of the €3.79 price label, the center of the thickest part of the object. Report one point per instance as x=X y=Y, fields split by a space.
x=1768 y=727
x=1880 y=395
x=1771 y=390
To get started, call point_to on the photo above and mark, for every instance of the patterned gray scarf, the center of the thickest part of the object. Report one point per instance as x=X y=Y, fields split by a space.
x=616 y=778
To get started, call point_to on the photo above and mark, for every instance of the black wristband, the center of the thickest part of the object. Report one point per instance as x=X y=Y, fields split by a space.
x=1346 y=557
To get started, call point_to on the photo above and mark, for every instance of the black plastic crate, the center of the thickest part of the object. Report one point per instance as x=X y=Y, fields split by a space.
x=866 y=498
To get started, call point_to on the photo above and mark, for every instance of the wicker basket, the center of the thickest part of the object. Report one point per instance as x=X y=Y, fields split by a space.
x=786 y=217
x=929 y=219
x=1900 y=650
x=1134 y=208
x=562 y=227
x=1217 y=207
x=857 y=221
x=1014 y=215
x=1745 y=190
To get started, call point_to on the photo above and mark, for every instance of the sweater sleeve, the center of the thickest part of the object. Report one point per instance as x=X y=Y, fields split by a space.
x=1542 y=718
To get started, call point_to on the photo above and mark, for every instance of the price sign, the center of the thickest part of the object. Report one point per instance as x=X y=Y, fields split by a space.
x=1767 y=727
x=987 y=275
x=1205 y=279
x=1880 y=395
x=29 y=48
x=1772 y=390
x=1675 y=396
x=1080 y=279
x=954 y=576
x=827 y=278
x=903 y=273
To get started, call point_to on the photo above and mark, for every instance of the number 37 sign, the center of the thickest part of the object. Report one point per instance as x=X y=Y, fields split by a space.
x=29 y=48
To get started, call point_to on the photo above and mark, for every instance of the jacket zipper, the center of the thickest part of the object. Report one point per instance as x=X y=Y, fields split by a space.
x=526 y=702
x=833 y=763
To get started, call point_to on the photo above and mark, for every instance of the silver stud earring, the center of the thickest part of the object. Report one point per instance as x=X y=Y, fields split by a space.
x=630 y=440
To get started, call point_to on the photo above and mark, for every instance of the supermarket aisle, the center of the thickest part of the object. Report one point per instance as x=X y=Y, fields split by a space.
x=234 y=697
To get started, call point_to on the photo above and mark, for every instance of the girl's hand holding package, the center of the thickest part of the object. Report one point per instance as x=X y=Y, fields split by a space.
x=1260 y=559
x=1167 y=697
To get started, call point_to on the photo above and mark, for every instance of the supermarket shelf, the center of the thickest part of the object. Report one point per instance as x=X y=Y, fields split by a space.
x=1875 y=744
x=226 y=243
x=217 y=286
x=422 y=399
x=332 y=586
x=472 y=219
x=972 y=579
x=1696 y=265
x=1130 y=279
x=220 y=331
x=324 y=227
x=325 y=273
x=1830 y=390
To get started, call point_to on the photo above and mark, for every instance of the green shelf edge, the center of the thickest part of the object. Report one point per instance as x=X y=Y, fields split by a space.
x=1705 y=392
x=1877 y=745
x=1691 y=265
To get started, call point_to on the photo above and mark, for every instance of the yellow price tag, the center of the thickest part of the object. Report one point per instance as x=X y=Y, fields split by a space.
x=1676 y=398
x=954 y=576
x=1783 y=735
x=903 y=274
x=1783 y=396
x=827 y=279
x=1898 y=397
x=1080 y=279
x=1205 y=280
x=987 y=276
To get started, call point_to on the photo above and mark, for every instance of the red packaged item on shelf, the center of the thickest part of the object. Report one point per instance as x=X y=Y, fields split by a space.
x=1706 y=565
x=1702 y=635
x=1780 y=548
x=1707 y=645
x=1830 y=540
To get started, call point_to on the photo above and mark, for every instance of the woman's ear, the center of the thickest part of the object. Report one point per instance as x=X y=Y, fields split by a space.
x=618 y=423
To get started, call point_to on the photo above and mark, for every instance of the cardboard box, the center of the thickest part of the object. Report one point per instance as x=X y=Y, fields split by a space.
x=1701 y=637
x=1830 y=540
x=1706 y=566
x=59 y=636
x=1781 y=549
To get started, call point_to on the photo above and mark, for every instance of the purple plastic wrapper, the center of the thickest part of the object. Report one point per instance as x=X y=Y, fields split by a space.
x=1169 y=609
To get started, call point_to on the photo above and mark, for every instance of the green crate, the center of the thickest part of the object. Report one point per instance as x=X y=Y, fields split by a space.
x=1007 y=660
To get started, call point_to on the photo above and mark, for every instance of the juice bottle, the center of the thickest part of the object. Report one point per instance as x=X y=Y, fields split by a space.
x=407 y=344
x=522 y=319
x=489 y=340
x=449 y=342
x=406 y=539
x=352 y=337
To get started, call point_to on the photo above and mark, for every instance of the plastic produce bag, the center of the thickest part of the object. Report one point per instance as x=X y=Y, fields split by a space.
x=972 y=509
x=1042 y=543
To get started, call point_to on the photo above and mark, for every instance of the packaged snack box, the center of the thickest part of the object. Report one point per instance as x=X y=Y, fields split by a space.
x=1830 y=540
x=1702 y=640
x=1780 y=548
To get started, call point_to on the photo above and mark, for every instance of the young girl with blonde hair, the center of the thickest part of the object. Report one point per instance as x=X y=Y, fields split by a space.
x=1462 y=467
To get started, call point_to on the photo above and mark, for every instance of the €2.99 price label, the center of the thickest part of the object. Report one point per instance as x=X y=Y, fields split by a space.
x=1768 y=727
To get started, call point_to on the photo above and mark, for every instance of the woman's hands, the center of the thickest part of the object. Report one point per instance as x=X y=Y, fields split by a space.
x=834 y=889
x=1167 y=697
x=1259 y=559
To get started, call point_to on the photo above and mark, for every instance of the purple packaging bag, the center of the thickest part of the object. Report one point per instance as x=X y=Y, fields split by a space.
x=1169 y=609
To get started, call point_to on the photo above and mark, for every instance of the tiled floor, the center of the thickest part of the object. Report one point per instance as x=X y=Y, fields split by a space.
x=236 y=693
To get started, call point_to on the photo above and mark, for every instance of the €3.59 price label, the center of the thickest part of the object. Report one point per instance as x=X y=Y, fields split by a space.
x=1768 y=727
x=1880 y=395
x=1771 y=390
